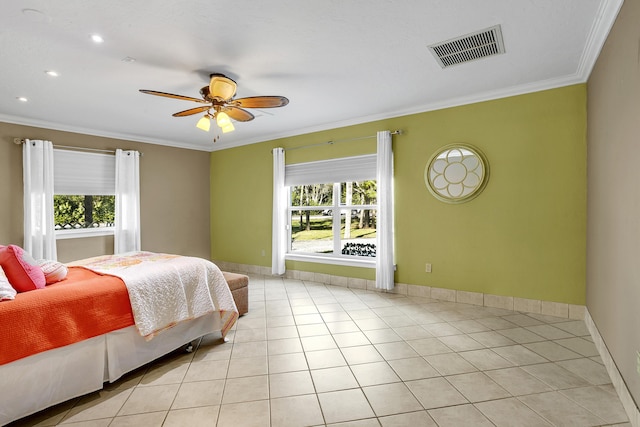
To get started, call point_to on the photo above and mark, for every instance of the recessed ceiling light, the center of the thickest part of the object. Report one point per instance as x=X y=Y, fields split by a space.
x=97 y=38
x=21 y=99
x=52 y=73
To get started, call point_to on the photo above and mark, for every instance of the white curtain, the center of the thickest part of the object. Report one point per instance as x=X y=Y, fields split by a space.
x=127 y=233
x=39 y=234
x=384 y=231
x=279 y=231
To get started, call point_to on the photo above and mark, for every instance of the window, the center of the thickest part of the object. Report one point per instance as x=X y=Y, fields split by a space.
x=332 y=211
x=84 y=194
x=376 y=171
x=77 y=211
x=318 y=225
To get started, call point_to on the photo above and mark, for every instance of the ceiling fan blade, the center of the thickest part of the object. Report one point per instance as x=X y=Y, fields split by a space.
x=222 y=87
x=238 y=113
x=171 y=95
x=260 y=102
x=191 y=111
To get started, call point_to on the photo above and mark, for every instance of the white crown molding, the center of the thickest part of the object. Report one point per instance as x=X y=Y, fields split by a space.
x=605 y=18
x=87 y=131
x=454 y=102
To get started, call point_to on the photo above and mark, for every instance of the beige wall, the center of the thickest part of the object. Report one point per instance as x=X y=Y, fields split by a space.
x=613 y=212
x=174 y=187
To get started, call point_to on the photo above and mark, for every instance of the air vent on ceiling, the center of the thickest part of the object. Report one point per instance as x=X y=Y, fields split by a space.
x=469 y=47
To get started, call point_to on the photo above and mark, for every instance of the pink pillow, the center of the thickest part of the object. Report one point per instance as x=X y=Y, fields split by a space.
x=21 y=269
x=54 y=271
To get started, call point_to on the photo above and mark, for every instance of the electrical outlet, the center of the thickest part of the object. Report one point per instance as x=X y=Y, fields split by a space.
x=638 y=362
x=427 y=268
x=263 y=253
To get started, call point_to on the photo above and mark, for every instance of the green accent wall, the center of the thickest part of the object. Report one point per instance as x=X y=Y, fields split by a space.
x=523 y=236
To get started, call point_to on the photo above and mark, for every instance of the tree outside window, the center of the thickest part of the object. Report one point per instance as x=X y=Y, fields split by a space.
x=334 y=218
x=76 y=211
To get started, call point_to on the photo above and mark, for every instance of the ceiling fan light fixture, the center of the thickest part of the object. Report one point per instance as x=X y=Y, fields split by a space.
x=204 y=123
x=220 y=104
x=222 y=87
x=222 y=119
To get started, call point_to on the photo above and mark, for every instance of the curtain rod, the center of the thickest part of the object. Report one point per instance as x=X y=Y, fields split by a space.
x=331 y=142
x=19 y=141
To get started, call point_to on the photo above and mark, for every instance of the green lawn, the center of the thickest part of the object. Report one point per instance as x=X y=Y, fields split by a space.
x=321 y=230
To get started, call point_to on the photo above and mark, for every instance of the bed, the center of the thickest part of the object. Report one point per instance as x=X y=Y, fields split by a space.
x=111 y=315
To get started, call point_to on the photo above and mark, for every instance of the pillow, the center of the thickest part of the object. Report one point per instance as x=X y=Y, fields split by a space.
x=21 y=269
x=6 y=290
x=54 y=271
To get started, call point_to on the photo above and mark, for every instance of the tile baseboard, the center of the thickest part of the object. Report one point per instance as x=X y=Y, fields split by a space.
x=618 y=382
x=524 y=305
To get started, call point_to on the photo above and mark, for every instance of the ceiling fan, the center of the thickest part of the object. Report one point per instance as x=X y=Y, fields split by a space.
x=220 y=105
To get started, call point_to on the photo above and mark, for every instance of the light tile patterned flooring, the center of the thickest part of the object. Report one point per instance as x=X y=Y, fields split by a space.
x=308 y=354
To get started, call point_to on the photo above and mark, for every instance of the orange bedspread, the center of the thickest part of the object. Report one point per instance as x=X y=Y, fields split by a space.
x=84 y=305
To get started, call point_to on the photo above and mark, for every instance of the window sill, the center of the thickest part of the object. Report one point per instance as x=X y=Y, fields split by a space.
x=84 y=232
x=327 y=259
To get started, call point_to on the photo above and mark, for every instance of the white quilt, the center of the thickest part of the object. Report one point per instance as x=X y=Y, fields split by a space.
x=167 y=289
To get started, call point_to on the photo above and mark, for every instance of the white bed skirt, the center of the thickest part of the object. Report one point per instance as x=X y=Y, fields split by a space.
x=37 y=382
x=127 y=350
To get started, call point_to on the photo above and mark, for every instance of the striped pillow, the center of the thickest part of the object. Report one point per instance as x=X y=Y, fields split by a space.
x=54 y=271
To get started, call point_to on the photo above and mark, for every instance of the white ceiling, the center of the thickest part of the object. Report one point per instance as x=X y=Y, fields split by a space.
x=340 y=62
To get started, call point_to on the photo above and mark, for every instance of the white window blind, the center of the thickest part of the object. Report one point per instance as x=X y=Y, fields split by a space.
x=79 y=173
x=345 y=169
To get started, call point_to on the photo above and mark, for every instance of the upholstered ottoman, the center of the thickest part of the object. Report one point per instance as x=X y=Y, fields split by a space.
x=239 y=285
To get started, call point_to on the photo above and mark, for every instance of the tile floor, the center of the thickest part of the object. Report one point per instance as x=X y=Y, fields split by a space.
x=308 y=354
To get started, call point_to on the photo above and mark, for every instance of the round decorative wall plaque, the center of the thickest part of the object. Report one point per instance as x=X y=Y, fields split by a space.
x=456 y=173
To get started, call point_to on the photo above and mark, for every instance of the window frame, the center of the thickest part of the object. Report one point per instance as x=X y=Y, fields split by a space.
x=77 y=233
x=336 y=211
x=70 y=161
